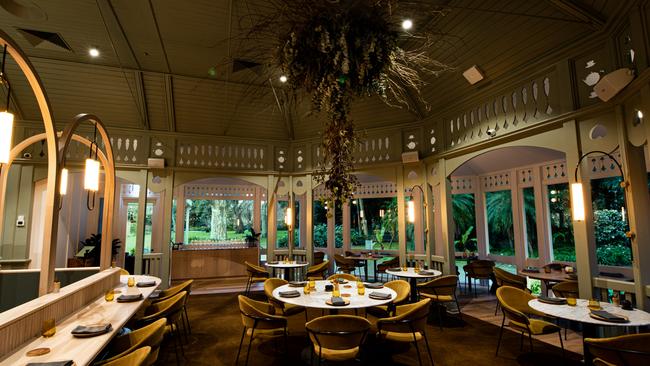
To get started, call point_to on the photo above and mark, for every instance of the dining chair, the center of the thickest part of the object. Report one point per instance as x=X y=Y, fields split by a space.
x=505 y=278
x=514 y=305
x=383 y=266
x=478 y=270
x=441 y=290
x=318 y=271
x=566 y=289
x=625 y=350
x=260 y=322
x=319 y=257
x=124 y=272
x=357 y=263
x=343 y=264
x=337 y=337
x=135 y=358
x=170 y=292
x=403 y=291
x=148 y=336
x=172 y=310
x=407 y=326
x=279 y=306
x=255 y=274
x=344 y=276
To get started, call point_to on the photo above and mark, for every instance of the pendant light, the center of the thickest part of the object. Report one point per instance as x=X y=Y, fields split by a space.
x=288 y=217
x=410 y=211
x=6 y=118
x=91 y=173
x=63 y=189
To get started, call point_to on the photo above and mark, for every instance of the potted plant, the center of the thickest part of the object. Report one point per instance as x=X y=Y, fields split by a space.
x=92 y=257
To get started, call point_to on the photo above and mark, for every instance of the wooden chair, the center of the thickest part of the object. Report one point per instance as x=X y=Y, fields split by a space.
x=441 y=290
x=337 y=337
x=318 y=271
x=148 y=336
x=625 y=350
x=345 y=276
x=514 y=305
x=319 y=257
x=255 y=274
x=357 y=263
x=407 y=326
x=135 y=358
x=280 y=307
x=478 y=270
x=343 y=264
x=259 y=321
x=383 y=266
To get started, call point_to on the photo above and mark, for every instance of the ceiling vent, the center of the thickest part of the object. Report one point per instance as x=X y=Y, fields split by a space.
x=45 y=40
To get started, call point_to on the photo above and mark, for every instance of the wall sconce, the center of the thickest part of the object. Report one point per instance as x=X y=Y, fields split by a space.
x=6 y=118
x=361 y=214
x=382 y=213
x=288 y=217
x=410 y=211
x=63 y=188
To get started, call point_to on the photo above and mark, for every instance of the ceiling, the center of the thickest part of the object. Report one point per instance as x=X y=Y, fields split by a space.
x=507 y=158
x=168 y=65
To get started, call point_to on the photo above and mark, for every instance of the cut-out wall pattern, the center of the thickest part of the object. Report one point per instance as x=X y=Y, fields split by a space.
x=128 y=149
x=216 y=192
x=382 y=189
x=221 y=156
x=529 y=103
x=495 y=182
x=374 y=150
x=462 y=185
x=554 y=172
x=602 y=166
x=526 y=177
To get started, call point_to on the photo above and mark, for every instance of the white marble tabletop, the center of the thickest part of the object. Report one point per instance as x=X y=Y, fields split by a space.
x=286 y=265
x=411 y=273
x=580 y=313
x=316 y=299
x=64 y=346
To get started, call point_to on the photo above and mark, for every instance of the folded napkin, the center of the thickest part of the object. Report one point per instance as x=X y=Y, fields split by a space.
x=274 y=262
x=155 y=294
x=92 y=329
x=379 y=295
x=52 y=363
x=291 y=293
x=146 y=283
x=395 y=269
x=374 y=285
x=302 y=262
x=530 y=270
x=297 y=284
x=552 y=300
x=426 y=272
x=607 y=316
x=129 y=298
x=337 y=301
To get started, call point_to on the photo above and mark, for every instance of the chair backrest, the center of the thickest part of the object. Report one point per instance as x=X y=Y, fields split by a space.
x=555 y=266
x=258 y=314
x=318 y=270
x=319 y=257
x=166 y=294
x=402 y=288
x=480 y=268
x=270 y=285
x=513 y=302
x=135 y=358
x=124 y=272
x=624 y=350
x=253 y=269
x=150 y=335
x=408 y=318
x=566 y=289
x=393 y=262
x=342 y=261
x=441 y=286
x=170 y=309
x=505 y=278
x=345 y=276
x=338 y=332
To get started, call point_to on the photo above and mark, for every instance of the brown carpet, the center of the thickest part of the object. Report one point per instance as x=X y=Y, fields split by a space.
x=216 y=331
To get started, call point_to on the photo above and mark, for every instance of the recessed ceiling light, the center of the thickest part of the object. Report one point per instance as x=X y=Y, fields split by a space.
x=639 y=114
x=93 y=52
x=283 y=79
x=407 y=24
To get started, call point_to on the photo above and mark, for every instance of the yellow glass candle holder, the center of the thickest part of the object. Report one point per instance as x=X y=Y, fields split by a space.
x=49 y=328
x=571 y=301
x=109 y=295
x=312 y=284
x=360 y=284
x=131 y=282
x=404 y=268
x=307 y=289
x=361 y=290
x=336 y=293
x=593 y=304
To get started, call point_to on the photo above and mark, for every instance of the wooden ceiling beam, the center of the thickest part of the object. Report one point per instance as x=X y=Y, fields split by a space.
x=141 y=100
x=580 y=12
x=169 y=102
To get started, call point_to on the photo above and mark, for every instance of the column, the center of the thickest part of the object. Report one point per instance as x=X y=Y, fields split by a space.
x=446 y=218
x=401 y=210
x=143 y=182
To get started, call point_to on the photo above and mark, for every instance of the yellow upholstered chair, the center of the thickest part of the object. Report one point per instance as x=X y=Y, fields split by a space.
x=337 y=337
x=280 y=307
x=514 y=304
x=403 y=290
x=441 y=290
x=407 y=326
x=259 y=322
x=623 y=350
x=566 y=289
x=383 y=266
x=255 y=274
x=124 y=272
x=170 y=292
x=343 y=264
x=318 y=271
x=344 y=276
x=478 y=270
x=172 y=310
x=135 y=358
x=150 y=335
x=505 y=278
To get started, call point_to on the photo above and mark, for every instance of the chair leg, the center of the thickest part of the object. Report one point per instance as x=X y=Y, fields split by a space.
x=561 y=343
x=496 y=308
x=286 y=342
x=460 y=313
x=440 y=314
x=241 y=341
x=426 y=342
x=530 y=340
x=250 y=342
x=521 y=342
x=417 y=349
x=187 y=318
x=503 y=322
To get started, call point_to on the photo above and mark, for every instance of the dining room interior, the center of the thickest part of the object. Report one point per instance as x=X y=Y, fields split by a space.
x=299 y=182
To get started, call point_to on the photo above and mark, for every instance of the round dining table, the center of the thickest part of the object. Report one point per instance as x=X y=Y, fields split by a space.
x=413 y=277
x=367 y=258
x=580 y=313
x=317 y=298
x=547 y=278
x=288 y=268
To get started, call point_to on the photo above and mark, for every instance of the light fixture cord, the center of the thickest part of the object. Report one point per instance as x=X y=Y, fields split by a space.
x=4 y=78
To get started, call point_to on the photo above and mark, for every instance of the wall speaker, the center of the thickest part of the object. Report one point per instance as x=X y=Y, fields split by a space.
x=612 y=83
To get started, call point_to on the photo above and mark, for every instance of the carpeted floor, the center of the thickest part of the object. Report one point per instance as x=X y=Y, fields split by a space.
x=216 y=331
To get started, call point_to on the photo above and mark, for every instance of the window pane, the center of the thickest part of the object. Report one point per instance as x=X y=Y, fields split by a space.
x=410 y=228
x=338 y=226
x=373 y=223
x=498 y=207
x=218 y=221
x=131 y=227
x=148 y=227
x=610 y=224
x=296 y=224
x=561 y=226
x=282 y=240
x=530 y=222
x=465 y=220
x=264 y=208
x=320 y=225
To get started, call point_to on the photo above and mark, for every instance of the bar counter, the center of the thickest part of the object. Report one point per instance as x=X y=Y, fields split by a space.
x=212 y=261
